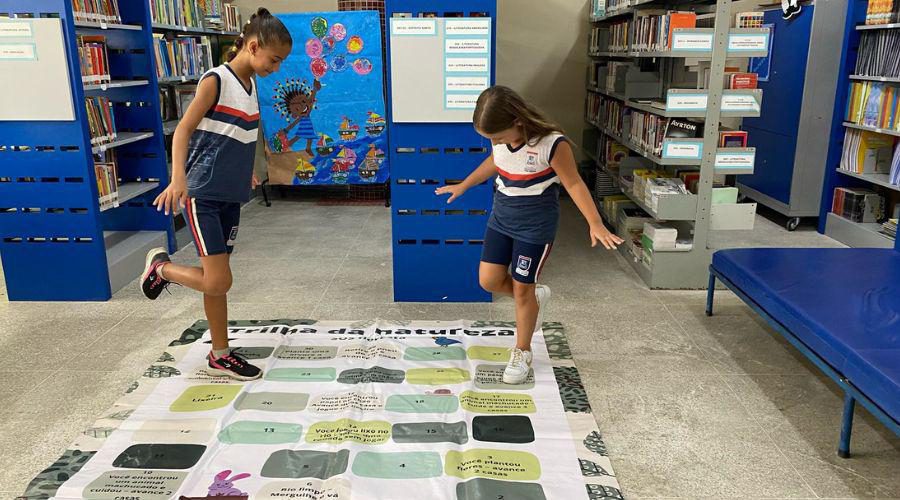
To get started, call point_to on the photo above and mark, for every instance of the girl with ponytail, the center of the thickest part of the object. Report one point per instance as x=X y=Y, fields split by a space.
x=212 y=175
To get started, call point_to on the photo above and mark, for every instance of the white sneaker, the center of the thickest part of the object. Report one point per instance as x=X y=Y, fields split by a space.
x=542 y=292
x=518 y=367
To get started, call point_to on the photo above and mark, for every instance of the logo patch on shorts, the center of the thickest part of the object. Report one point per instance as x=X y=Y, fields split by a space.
x=523 y=266
x=232 y=237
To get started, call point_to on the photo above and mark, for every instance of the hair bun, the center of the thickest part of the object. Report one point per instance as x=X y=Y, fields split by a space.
x=263 y=12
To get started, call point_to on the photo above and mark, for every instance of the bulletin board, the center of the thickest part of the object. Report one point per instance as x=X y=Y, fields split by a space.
x=439 y=66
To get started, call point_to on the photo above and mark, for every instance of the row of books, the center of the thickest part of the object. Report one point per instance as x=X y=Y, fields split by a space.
x=749 y=19
x=94 y=59
x=106 y=171
x=890 y=228
x=177 y=12
x=653 y=28
x=222 y=16
x=182 y=56
x=873 y=104
x=883 y=12
x=174 y=100
x=877 y=54
x=97 y=11
x=858 y=204
x=867 y=152
x=101 y=120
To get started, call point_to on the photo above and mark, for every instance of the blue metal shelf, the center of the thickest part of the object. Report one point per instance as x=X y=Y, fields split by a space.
x=54 y=241
x=437 y=247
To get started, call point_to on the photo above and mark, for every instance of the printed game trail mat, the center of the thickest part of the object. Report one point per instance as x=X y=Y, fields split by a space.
x=371 y=410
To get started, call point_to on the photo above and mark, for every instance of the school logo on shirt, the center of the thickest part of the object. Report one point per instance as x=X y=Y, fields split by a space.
x=523 y=265
x=531 y=161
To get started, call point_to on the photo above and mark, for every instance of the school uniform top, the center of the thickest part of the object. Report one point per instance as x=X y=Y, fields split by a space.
x=526 y=201
x=223 y=148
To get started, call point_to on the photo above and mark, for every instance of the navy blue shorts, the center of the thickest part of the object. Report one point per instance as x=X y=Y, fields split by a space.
x=213 y=224
x=526 y=260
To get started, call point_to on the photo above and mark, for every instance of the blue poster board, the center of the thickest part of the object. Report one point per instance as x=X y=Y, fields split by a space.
x=323 y=113
x=762 y=65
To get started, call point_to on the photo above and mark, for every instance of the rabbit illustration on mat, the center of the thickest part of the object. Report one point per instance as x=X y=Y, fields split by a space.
x=223 y=486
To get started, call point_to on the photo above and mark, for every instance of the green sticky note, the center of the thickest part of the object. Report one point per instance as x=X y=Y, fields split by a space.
x=493 y=464
x=345 y=429
x=421 y=403
x=453 y=353
x=437 y=376
x=205 y=397
x=488 y=353
x=496 y=402
x=404 y=465
x=301 y=374
x=258 y=432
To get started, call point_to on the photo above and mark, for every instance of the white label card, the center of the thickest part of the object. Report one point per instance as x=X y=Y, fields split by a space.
x=467 y=83
x=413 y=27
x=17 y=52
x=682 y=150
x=466 y=46
x=739 y=102
x=681 y=102
x=467 y=65
x=735 y=160
x=692 y=41
x=746 y=42
x=9 y=29
x=461 y=101
x=468 y=27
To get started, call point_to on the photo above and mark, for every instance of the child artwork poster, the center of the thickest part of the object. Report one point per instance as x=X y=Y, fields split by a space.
x=323 y=111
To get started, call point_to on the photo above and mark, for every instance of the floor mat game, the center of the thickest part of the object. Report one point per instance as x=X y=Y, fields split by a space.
x=374 y=410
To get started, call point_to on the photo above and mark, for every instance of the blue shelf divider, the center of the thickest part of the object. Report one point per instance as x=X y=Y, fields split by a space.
x=437 y=247
x=55 y=242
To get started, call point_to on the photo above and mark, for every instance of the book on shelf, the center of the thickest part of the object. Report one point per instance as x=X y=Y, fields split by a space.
x=653 y=28
x=168 y=103
x=858 y=205
x=184 y=95
x=101 y=120
x=894 y=177
x=882 y=11
x=220 y=15
x=96 y=11
x=94 y=59
x=749 y=19
x=733 y=139
x=188 y=56
x=741 y=80
x=890 y=228
x=873 y=104
x=867 y=152
x=187 y=13
x=106 y=171
x=677 y=128
x=877 y=54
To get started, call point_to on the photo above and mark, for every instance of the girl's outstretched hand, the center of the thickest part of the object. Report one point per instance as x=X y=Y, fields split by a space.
x=455 y=191
x=175 y=196
x=601 y=234
x=254 y=181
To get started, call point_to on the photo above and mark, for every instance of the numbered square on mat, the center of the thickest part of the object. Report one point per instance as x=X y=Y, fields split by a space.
x=205 y=397
x=403 y=465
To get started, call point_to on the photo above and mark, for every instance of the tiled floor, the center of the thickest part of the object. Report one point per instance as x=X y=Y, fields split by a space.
x=690 y=406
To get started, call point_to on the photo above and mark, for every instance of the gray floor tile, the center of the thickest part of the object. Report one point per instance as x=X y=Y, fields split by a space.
x=366 y=280
x=335 y=311
x=17 y=383
x=445 y=312
x=303 y=280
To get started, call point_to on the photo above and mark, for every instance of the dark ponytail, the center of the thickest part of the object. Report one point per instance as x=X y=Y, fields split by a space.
x=266 y=28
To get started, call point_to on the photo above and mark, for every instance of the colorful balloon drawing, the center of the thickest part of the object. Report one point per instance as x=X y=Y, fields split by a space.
x=319 y=67
x=338 y=31
x=328 y=43
x=314 y=48
x=319 y=26
x=339 y=63
x=362 y=66
x=354 y=44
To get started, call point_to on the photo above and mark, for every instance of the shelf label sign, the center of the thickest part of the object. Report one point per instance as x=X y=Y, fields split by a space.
x=734 y=161
x=466 y=46
x=691 y=150
x=18 y=52
x=413 y=27
x=468 y=27
x=747 y=42
x=467 y=65
x=686 y=102
x=692 y=41
x=461 y=101
x=739 y=102
x=15 y=29
x=467 y=83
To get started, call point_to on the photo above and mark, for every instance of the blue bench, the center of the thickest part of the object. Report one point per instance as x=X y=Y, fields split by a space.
x=839 y=306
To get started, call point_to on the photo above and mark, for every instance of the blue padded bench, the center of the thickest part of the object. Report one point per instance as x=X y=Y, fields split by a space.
x=839 y=306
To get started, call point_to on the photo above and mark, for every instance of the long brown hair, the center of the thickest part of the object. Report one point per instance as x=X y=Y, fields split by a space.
x=266 y=28
x=500 y=108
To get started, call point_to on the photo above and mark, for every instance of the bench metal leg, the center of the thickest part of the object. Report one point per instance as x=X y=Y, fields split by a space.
x=710 y=293
x=846 y=426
